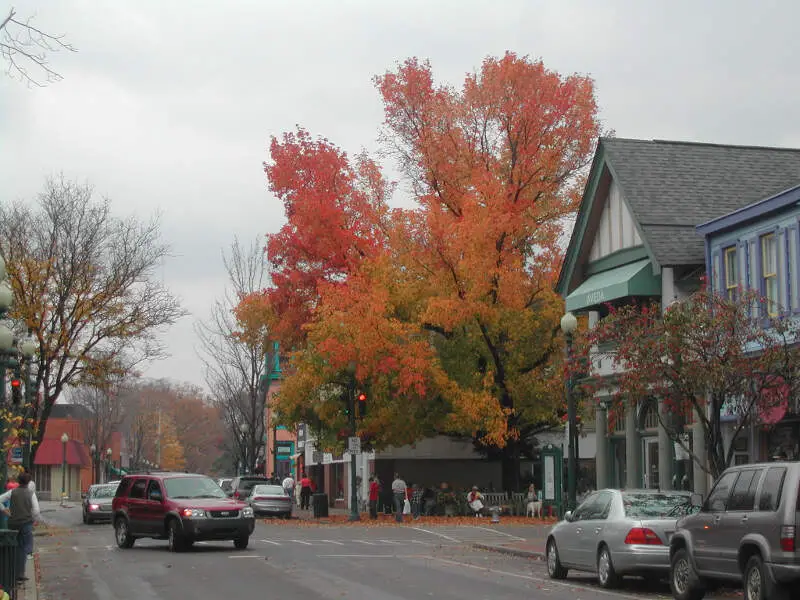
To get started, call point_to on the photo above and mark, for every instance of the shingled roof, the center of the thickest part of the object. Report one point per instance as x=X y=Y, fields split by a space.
x=671 y=187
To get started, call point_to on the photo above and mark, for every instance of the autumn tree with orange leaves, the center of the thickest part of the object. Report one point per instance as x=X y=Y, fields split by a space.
x=448 y=309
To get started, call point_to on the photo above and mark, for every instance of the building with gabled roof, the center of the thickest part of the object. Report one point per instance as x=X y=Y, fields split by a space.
x=635 y=238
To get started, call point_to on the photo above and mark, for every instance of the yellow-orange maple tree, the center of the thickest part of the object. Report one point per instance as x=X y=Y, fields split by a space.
x=447 y=309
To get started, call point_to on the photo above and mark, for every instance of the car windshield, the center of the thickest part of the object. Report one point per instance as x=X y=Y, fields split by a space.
x=102 y=491
x=268 y=490
x=193 y=487
x=655 y=506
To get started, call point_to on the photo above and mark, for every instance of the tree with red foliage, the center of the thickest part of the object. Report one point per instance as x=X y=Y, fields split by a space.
x=448 y=308
x=707 y=357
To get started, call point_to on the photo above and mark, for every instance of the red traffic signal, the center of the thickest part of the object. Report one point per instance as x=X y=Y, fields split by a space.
x=15 y=383
x=16 y=391
x=362 y=404
x=362 y=397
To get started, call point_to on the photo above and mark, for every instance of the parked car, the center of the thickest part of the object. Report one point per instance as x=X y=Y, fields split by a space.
x=744 y=533
x=97 y=504
x=179 y=507
x=242 y=486
x=225 y=483
x=616 y=533
x=271 y=500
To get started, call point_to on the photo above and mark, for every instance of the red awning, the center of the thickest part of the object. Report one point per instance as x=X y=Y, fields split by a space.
x=51 y=452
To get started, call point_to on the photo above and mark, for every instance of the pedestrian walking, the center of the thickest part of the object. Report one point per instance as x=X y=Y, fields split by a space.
x=374 y=494
x=305 y=492
x=23 y=513
x=399 y=495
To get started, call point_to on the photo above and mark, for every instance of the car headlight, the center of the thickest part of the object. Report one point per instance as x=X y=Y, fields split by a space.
x=247 y=512
x=194 y=513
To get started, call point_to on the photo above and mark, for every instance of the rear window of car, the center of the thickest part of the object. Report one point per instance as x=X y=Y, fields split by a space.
x=249 y=484
x=655 y=506
x=103 y=491
x=268 y=490
x=771 y=489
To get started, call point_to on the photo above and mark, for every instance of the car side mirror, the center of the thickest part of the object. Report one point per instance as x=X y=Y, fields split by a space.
x=568 y=516
x=696 y=500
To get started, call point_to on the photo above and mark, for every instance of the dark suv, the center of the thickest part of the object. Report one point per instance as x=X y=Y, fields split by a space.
x=178 y=507
x=242 y=486
x=745 y=532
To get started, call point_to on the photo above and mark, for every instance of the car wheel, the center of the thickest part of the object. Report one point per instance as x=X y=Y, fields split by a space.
x=241 y=542
x=175 y=539
x=554 y=568
x=122 y=533
x=683 y=579
x=605 y=570
x=757 y=582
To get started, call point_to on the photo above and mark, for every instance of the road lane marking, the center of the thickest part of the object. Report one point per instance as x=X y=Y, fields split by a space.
x=333 y=542
x=447 y=537
x=364 y=542
x=546 y=580
x=247 y=556
x=302 y=542
x=365 y=555
x=392 y=542
x=516 y=537
x=423 y=543
x=271 y=542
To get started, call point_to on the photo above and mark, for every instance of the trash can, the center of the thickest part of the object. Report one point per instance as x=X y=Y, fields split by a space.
x=319 y=502
x=8 y=559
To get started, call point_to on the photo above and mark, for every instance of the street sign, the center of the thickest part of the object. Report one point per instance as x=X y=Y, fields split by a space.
x=354 y=445
x=16 y=456
x=327 y=458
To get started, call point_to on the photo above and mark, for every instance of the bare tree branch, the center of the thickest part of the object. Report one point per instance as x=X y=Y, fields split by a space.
x=25 y=49
x=232 y=366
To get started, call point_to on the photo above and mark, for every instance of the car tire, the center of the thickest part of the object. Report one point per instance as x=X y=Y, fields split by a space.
x=606 y=574
x=240 y=543
x=122 y=533
x=554 y=567
x=757 y=582
x=684 y=582
x=175 y=540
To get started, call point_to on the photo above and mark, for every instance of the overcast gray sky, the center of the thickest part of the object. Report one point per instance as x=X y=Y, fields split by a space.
x=169 y=105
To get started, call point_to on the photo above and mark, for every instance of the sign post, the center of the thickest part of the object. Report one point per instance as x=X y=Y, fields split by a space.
x=354 y=445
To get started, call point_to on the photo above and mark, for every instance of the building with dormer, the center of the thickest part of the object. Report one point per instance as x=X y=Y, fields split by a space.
x=635 y=240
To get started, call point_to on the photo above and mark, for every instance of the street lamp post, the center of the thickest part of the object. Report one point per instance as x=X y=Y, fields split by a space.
x=17 y=354
x=568 y=325
x=351 y=402
x=64 y=440
x=93 y=450
x=245 y=431
x=108 y=464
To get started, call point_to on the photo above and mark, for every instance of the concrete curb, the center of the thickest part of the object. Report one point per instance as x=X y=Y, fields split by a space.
x=510 y=551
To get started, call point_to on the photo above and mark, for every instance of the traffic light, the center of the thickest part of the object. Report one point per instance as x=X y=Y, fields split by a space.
x=362 y=404
x=16 y=391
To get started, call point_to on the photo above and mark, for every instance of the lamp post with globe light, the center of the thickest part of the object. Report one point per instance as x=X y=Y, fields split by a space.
x=16 y=354
x=109 y=464
x=93 y=450
x=568 y=325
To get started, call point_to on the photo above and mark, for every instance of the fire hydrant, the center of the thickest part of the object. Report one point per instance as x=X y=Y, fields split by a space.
x=495 y=514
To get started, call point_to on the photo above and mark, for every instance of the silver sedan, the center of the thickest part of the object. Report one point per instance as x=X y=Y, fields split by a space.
x=271 y=500
x=615 y=533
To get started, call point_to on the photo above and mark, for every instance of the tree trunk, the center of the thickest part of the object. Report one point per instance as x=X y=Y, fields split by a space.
x=510 y=459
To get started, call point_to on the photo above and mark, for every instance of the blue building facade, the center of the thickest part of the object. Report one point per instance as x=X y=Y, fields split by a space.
x=758 y=248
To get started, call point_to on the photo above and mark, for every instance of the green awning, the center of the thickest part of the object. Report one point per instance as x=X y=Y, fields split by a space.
x=634 y=279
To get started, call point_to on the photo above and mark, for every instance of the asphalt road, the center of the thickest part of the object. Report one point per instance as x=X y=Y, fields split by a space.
x=295 y=562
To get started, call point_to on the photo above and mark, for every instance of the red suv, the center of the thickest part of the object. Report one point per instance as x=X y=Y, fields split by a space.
x=178 y=507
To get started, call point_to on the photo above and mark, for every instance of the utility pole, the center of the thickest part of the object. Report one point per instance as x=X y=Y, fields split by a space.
x=158 y=440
